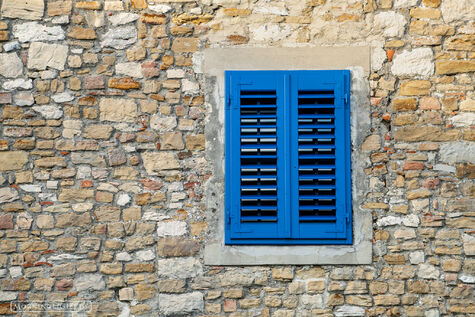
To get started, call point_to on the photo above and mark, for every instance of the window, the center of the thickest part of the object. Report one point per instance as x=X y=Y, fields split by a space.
x=287 y=156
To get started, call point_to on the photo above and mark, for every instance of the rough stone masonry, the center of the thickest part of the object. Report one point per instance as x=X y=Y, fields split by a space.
x=103 y=159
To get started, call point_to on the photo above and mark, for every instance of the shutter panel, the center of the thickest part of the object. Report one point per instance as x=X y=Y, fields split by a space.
x=253 y=146
x=321 y=156
x=287 y=156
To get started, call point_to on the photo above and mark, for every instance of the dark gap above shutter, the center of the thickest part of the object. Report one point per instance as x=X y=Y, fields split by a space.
x=258 y=138
x=316 y=156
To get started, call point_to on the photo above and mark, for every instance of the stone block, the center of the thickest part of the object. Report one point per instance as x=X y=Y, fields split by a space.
x=88 y=158
x=26 y=9
x=123 y=83
x=59 y=8
x=130 y=69
x=174 y=246
x=460 y=43
x=404 y=104
x=120 y=38
x=415 y=87
x=415 y=62
x=118 y=110
x=42 y=55
x=171 y=286
x=181 y=304
x=171 y=228
x=88 y=5
x=390 y=24
x=34 y=32
x=454 y=67
x=13 y=160
x=91 y=282
x=107 y=213
x=195 y=142
x=10 y=65
x=458 y=10
x=185 y=45
x=97 y=131
x=75 y=194
x=154 y=162
x=181 y=268
x=6 y=221
x=172 y=141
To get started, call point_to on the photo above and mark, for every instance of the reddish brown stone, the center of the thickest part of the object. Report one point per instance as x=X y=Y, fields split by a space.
x=123 y=83
x=431 y=183
x=238 y=39
x=64 y=284
x=5 y=97
x=6 y=221
x=411 y=165
x=86 y=184
x=229 y=305
x=184 y=155
x=153 y=18
x=7 y=308
x=149 y=69
x=94 y=82
x=175 y=246
x=150 y=184
x=87 y=101
x=429 y=103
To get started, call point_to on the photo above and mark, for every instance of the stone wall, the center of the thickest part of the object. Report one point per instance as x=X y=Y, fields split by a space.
x=103 y=162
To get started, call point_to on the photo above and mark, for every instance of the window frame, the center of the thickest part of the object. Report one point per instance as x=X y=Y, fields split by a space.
x=211 y=64
x=287 y=230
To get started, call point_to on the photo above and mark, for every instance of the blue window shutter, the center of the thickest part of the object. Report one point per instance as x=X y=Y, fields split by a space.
x=287 y=157
x=320 y=157
x=254 y=144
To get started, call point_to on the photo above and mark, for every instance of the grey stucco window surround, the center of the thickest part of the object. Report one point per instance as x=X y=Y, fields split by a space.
x=212 y=63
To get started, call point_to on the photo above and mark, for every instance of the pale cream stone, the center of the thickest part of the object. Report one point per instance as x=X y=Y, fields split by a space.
x=415 y=62
x=13 y=160
x=42 y=55
x=467 y=105
x=155 y=162
x=392 y=24
x=113 y=6
x=118 y=110
x=10 y=65
x=458 y=10
x=25 y=9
